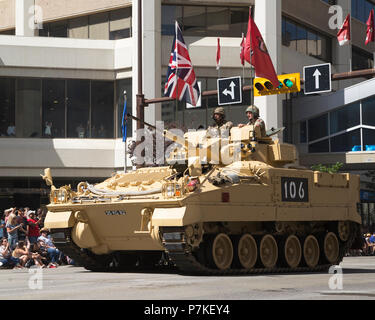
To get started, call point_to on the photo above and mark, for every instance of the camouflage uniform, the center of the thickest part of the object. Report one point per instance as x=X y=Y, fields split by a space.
x=259 y=123
x=256 y=121
x=221 y=128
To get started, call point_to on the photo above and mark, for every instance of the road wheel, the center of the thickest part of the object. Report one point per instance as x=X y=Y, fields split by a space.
x=247 y=251
x=311 y=251
x=292 y=251
x=343 y=229
x=222 y=251
x=268 y=251
x=331 y=247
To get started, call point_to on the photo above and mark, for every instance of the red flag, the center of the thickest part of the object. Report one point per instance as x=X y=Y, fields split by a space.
x=260 y=58
x=343 y=36
x=218 y=56
x=242 y=54
x=370 y=36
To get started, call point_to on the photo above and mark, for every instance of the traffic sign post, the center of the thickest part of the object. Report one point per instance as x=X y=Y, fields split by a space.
x=317 y=78
x=229 y=91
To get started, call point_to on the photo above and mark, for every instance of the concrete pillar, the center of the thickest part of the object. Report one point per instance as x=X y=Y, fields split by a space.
x=267 y=17
x=151 y=25
x=25 y=18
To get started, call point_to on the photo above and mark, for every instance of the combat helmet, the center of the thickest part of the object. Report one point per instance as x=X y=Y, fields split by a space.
x=219 y=110
x=254 y=109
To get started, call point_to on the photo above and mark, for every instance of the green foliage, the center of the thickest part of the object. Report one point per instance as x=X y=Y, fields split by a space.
x=332 y=169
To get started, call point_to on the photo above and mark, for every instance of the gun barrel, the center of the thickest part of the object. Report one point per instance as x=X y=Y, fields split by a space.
x=165 y=133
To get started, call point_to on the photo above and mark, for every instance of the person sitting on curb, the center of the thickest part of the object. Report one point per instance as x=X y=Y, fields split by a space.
x=46 y=243
x=6 y=259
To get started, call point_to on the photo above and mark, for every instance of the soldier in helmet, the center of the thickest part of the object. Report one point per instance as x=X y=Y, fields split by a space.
x=221 y=126
x=252 y=113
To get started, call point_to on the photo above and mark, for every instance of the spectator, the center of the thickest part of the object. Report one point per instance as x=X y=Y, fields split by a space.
x=11 y=131
x=2 y=228
x=23 y=253
x=33 y=227
x=7 y=212
x=22 y=220
x=12 y=230
x=6 y=259
x=46 y=244
x=371 y=243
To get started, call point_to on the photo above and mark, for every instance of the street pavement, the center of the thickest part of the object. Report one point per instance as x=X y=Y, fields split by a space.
x=357 y=282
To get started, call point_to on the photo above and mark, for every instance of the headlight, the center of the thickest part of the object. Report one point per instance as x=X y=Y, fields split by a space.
x=172 y=189
x=59 y=196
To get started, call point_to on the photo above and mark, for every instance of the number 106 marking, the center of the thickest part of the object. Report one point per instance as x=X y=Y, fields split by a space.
x=294 y=189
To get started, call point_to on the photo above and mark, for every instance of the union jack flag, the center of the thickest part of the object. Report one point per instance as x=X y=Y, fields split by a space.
x=185 y=84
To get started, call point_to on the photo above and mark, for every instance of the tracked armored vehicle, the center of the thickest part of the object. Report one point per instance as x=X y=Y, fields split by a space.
x=233 y=205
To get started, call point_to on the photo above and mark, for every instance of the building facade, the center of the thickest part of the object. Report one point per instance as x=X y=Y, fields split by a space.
x=66 y=64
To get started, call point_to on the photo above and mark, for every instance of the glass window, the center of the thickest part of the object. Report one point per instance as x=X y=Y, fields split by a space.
x=120 y=24
x=10 y=32
x=78 y=105
x=368 y=111
x=101 y=109
x=58 y=29
x=324 y=48
x=79 y=28
x=239 y=18
x=301 y=40
x=361 y=10
x=350 y=141
x=321 y=146
x=312 y=48
x=354 y=8
x=99 y=26
x=28 y=110
x=54 y=108
x=368 y=140
x=290 y=36
x=194 y=20
x=318 y=127
x=7 y=107
x=44 y=31
x=121 y=86
x=361 y=59
x=344 y=118
x=169 y=15
x=218 y=21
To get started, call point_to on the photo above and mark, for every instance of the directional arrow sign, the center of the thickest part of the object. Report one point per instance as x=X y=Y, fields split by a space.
x=317 y=78
x=317 y=74
x=229 y=90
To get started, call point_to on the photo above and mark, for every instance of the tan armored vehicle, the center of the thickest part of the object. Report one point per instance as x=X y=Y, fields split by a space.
x=235 y=205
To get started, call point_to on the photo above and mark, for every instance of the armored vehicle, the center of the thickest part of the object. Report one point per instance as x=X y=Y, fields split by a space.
x=233 y=205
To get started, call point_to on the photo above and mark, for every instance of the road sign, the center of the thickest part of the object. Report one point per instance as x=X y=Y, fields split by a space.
x=229 y=91
x=317 y=78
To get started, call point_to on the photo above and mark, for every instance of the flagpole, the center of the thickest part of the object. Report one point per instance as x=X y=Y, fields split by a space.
x=351 y=45
x=251 y=67
x=243 y=66
x=218 y=58
x=176 y=101
x=124 y=138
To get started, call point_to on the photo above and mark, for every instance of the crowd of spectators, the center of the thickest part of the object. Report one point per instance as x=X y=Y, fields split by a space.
x=25 y=241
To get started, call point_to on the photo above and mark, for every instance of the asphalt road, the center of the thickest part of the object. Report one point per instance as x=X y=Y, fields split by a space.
x=74 y=283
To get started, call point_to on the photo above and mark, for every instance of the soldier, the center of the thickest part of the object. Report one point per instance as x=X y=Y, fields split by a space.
x=221 y=125
x=252 y=113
